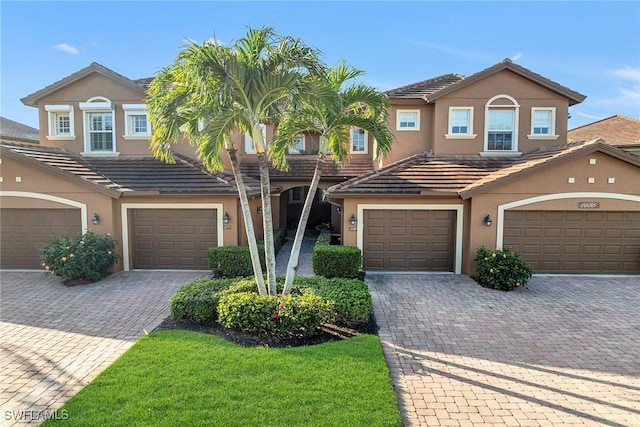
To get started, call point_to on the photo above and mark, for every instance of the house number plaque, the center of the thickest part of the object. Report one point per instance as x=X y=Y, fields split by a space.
x=589 y=205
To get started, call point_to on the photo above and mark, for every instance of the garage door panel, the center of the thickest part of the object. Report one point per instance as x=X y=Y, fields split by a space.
x=172 y=238
x=590 y=242
x=419 y=240
x=25 y=231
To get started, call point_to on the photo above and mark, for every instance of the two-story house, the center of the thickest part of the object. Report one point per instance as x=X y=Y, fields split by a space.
x=478 y=160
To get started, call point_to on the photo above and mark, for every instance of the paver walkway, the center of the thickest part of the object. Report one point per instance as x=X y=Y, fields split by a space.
x=565 y=351
x=55 y=339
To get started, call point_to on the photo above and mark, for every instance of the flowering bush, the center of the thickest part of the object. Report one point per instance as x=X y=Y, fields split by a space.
x=501 y=269
x=87 y=257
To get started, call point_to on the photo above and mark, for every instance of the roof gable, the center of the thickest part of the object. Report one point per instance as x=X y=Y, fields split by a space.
x=94 y=68
x=506 y=64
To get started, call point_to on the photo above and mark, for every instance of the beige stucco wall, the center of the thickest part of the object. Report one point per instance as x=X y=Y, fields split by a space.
x=409 y=142
x=527 y=94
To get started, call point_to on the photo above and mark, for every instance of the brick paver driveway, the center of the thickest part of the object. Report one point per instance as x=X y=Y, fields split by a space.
x=55 y=339
x=564 y=351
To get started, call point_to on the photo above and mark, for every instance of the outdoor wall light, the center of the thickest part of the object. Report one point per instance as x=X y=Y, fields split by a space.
x=488 y=221
x=260 y=210
x=353 y=220
x=95 y=219
x=339 y=210
x=226 y=218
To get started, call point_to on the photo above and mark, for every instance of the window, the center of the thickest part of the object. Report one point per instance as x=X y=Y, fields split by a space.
x=296 y=195
x=359 y=140
x=298 y=145
x=101 y=131
x=249 y=148
x=543 y=122
x=408 y=120
x=136 y=121
x=60 y=121
x=99 y=134
x=501 y=126
x=460 y=123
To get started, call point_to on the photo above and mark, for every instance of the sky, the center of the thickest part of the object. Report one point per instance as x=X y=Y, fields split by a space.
x=591 y=47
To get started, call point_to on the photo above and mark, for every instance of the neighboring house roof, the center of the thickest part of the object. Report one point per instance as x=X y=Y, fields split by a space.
x=615 y=130
x=425 y=88
x=14 y=131
x=465 y=176
x=138 y=85
x=430 y=90
x=303 y=167
x=116 y=176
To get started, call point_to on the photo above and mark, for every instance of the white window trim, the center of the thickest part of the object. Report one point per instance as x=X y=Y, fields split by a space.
x=415 y=128
x=469 y=134
x=366 y=143
x=552 y=132
x=97 y=104
x=249 y=148
x=53 y=111
x=516 y=114
x=293 y=150
x=135 y=110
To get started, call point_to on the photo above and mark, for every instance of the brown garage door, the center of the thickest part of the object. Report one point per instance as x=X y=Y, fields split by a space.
x=25 y=231
x=175 y=239
x=408 y=240
x=575 y=242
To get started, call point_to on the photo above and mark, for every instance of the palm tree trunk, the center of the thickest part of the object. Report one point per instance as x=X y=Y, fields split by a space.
x=248 y=223
x=267 y=220
x=294 y=257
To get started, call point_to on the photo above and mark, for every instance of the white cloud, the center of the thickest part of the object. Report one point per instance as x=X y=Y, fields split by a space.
x=63 y=47
x=588 y=116
x=627 y=73
x=517 y=56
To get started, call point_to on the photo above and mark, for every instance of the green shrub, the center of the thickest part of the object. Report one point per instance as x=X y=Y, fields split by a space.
x=235 y=261
x=350 y=297
x=337 y=261
x=501 y=269
x=83 y=257
x=277 y=316
x=198 y=301
x=324 y=238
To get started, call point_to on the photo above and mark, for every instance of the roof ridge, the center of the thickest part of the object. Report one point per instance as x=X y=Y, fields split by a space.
x=421 y=82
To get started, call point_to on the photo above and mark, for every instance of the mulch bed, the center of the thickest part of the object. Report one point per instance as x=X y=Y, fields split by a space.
x=327 y=333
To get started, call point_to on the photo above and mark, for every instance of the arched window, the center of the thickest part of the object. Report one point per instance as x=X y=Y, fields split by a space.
x=501 y=125
x=99 y=127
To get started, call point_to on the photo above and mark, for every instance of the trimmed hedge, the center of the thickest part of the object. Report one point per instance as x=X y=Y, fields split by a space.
x=337 y=261
x=278 y=316
x=235 y=261
x=197 y=301
x=351 y=299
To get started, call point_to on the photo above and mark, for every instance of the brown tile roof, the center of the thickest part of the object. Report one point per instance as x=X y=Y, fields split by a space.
x=94 y=67
x=15 y=131
x=303 y=166
x=423 y=89
x=615 y=130
x=430 y=90
x=119 y=175
x=464 y=176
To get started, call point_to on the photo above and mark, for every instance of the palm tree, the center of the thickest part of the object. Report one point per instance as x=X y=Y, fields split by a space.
x=332 y=118
x=212 y=90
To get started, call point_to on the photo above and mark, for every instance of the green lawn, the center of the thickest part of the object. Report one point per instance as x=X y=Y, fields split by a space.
x=179 y=378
